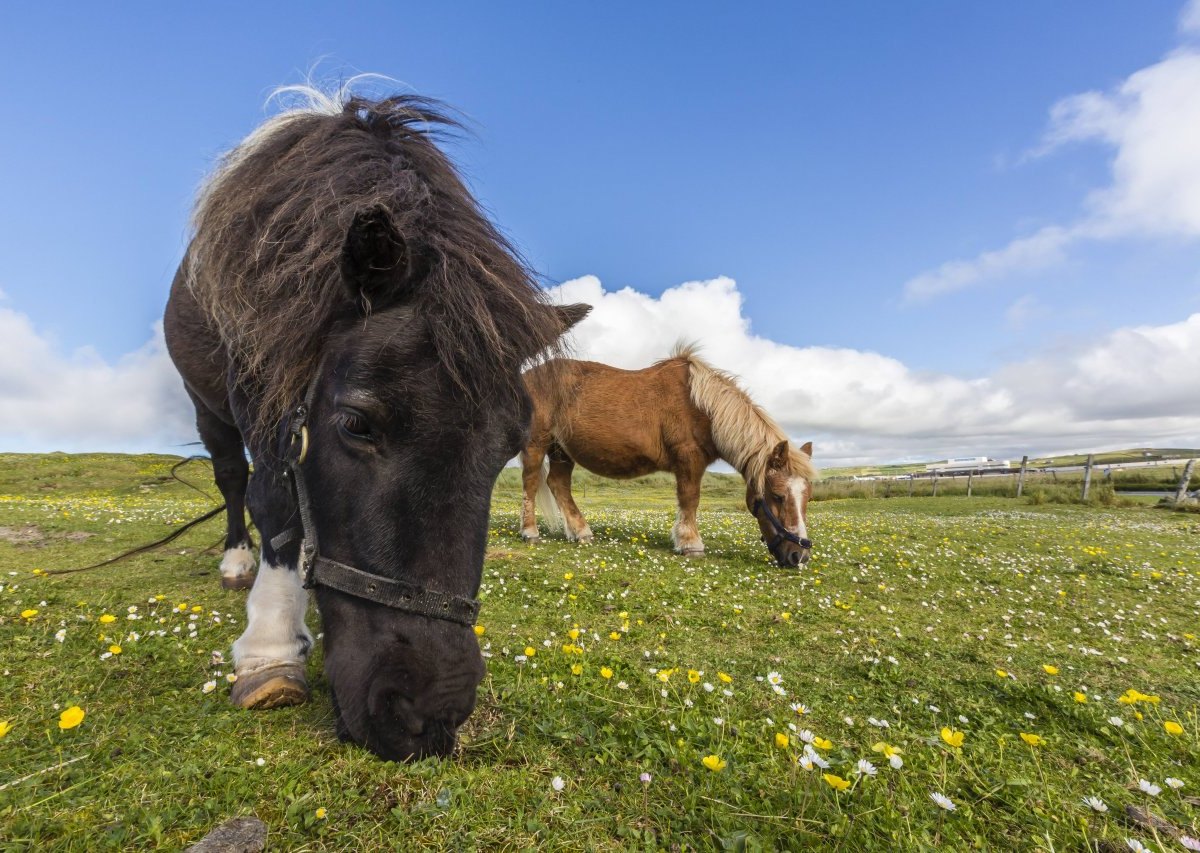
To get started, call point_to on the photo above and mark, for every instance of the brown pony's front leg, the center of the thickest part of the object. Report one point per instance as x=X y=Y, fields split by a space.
x=531 y=478
x=685 y=534
x=559 y=481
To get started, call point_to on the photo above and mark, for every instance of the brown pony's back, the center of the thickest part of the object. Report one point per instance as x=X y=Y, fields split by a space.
x=619 y=423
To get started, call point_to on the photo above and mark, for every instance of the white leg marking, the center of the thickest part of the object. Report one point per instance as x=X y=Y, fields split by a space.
x=685 y=537
x=583 y=534
x=237 y=563
x=275 y=630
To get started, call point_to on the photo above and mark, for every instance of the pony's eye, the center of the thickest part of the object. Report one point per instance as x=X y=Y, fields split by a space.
x=355 y=426
x=779 y=498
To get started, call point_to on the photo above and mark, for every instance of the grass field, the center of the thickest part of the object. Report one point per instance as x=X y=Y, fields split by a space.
x=1007 y=658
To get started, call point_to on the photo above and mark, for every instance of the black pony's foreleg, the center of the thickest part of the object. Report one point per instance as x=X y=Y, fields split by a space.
x=231 y=471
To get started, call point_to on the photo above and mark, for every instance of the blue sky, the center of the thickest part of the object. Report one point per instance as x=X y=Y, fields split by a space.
x=823 y=156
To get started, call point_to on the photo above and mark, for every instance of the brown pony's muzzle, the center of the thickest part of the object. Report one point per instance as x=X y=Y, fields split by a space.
x=789 y=554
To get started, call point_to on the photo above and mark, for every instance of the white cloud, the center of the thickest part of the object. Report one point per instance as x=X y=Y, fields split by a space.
x=1189 y=18
x=76 y=402
x=1024 y=310
x=1151 y=120
x=1136 y=386
x=1037 y=251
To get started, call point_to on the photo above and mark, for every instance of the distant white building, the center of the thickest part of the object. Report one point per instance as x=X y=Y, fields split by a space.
x=965 y=464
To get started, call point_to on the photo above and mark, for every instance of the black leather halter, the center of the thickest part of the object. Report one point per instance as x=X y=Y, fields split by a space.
x=782 y=534
x=322 y=571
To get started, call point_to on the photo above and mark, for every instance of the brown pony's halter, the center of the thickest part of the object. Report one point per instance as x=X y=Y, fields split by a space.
x=322 y=571
x=782 y=534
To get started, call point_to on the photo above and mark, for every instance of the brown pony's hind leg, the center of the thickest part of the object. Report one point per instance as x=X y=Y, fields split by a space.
x=685 y=534
x=531 y=478
x=559 y=481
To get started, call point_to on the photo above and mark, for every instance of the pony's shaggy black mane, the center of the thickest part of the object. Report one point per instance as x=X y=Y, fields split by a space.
x=271 y=223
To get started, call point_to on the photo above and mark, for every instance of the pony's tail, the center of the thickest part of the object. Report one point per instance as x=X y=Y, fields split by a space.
x=546 y=504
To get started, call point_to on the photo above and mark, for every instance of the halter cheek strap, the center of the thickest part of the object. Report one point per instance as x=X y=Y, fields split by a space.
x=322 y=571
x=782 y=534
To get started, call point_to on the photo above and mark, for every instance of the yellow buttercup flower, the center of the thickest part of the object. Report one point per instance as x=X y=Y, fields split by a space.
x=320 y=813
x=573 y=633
x=568 y=576
x=950 y=736
x=886 y=749
x=1050 y=669
x=821 y=743
x=1081 y=698
x=606 y=672
x=5 y=727
x=1001 y=673
x=114 y=649
x=576 y=669
x=713 y=762
x=1032 y=740
x=782 y=740
x=1173 y=728
x=836 y=782
x=107 y=619
x=725 y=678
x=480 y=630
x=693 y=676
x=29 y=614
x=71 y=717
x=530 y=651
x=614 y=635
x=1132 y=697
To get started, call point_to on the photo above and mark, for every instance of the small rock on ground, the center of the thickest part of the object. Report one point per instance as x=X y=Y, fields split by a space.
x=240 y=835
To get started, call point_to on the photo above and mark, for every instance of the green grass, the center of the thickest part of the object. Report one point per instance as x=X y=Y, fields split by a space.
x=905 y=615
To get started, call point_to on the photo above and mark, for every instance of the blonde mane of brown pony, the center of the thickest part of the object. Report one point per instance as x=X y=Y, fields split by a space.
x=743 y=433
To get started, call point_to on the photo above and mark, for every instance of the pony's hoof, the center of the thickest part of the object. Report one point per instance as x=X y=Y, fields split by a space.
x=272 y=687
x=692 y=552
x=530 y=540
x=238 y=582
x=586 y=539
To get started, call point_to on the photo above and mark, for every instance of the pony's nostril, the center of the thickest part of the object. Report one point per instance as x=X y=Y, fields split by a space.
x=794 y=558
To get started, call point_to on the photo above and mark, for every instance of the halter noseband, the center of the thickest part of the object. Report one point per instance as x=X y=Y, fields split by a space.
x=782 y=534
x=322 y=571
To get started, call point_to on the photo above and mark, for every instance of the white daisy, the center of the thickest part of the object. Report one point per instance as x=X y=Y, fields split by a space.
x=943 y=801
x=1095 y=804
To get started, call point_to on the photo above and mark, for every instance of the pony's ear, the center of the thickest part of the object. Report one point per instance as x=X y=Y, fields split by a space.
x=569 y=315
x=806 y=449
x=374 y=256
x=779 y=457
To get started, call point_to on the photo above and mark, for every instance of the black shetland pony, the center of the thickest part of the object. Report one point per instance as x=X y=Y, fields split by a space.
x=347 y=313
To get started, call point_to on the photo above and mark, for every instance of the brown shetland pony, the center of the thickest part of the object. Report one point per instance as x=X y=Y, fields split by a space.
x=678 y=415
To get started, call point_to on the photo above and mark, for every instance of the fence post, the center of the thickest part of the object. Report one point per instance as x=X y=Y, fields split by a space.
x=970 y=477
x=1087 y=476
x=910 y=485
x=935 y=479
x=1021 y=476
x=887 y=488
x=1184 y=481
